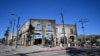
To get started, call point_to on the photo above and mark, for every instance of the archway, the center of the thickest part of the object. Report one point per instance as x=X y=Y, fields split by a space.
x=48 y=39
x=63 y=41
x=72 y=40
x=37 y=39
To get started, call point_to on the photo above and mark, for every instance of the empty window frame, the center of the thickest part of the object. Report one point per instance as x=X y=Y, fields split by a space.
x=71 y=31
x=49 y=27
x=56 y=30
x=38 y=27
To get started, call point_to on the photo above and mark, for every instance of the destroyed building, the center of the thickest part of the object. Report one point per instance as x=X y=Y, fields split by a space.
x=46 y=32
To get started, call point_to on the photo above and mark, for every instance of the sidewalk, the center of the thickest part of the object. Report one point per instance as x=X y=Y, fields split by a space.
x=28 y=49
x=36 y=49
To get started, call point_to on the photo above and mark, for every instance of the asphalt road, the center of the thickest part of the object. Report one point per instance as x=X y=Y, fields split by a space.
x=6 y=51
x=73 y=52
x=84 y=52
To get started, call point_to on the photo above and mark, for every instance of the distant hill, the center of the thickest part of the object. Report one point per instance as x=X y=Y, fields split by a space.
x=89 y=36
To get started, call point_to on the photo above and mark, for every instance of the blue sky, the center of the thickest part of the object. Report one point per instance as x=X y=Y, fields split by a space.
x=73 y=10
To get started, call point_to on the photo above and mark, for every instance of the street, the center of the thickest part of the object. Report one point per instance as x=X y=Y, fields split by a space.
x=74 y=52
x=7 y=51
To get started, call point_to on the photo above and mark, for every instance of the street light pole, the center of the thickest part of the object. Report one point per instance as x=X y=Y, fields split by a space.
x=17 y=29
x=65 y=42
x=82 y=21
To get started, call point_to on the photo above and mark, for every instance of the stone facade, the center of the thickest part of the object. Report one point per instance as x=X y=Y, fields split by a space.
x=70 y=34
x=43 y=27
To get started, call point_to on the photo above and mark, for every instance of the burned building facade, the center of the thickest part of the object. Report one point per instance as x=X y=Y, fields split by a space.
x=70 y=34
x=47 y=31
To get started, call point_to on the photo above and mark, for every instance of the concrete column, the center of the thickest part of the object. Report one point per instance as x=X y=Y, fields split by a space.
x=68 y=40
x=76 y=41
x=58 y=40
x=25 y=40
x=54 y=40
x=43 y=33
x=43 y=40
x=54 y=32
x=22 y=40
x=32 y=40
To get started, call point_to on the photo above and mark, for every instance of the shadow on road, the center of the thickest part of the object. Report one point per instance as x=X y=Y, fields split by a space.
x=71 y=52
x=22 y=54
x=26 y=54
x=84 y=52
x=75 y=52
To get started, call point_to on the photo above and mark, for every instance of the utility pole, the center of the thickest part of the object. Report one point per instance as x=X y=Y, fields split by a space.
x=82 y=21
x=13 y=30
x=65 y=42
x=17 y=29
x=10 y=31
x=6 y=34
x=10 y=27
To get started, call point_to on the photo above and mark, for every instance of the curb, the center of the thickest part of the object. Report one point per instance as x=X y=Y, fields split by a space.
x=58 y=49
